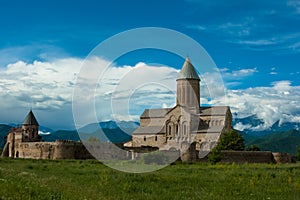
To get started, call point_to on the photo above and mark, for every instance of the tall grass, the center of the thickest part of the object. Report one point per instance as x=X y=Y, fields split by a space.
x=75 y=179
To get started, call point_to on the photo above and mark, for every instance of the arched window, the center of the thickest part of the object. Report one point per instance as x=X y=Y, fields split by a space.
x=184 y=130
x=155 y=138
x=144 y=138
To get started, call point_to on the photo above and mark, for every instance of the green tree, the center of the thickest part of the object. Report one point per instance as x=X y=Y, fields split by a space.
x=231 y=140
x=253 y=147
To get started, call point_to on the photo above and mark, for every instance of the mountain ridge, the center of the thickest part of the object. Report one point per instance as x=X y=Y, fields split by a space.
x=279 y=137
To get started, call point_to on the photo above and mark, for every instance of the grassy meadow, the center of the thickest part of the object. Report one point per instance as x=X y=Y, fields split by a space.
x=89 y=179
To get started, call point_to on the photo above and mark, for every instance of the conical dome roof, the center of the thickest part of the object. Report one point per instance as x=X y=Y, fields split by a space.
x=188 y=71
x=30 y=119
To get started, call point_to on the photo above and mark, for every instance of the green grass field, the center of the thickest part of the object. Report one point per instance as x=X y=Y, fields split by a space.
x=76 y=179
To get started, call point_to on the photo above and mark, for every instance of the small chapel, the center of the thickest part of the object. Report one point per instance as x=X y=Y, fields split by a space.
x=28 y=132
x=185 y=124
x=25 y=142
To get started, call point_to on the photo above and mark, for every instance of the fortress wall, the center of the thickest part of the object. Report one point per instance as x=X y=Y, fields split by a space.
x=283 y=158
x=64 y=150
x=81 y=152
x=70 y=150
x=247 y=157
x=34 y=150
x=107 y=151
x=52 y=150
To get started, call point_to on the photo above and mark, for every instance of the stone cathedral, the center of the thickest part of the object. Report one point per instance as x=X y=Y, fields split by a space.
x=186 y=123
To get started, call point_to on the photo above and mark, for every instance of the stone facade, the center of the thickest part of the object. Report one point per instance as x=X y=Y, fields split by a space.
x=50 y=150
x=186 y=123
x=25 y=142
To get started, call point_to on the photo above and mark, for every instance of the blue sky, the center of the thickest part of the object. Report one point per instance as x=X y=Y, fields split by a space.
x=255 y=44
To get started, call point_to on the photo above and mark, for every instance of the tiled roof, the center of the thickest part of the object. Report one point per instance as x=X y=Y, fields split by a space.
x=148 y=130
x=212 y=129
x=214 y=110
x=155 y=113
x=30 y=119
x=188 y=71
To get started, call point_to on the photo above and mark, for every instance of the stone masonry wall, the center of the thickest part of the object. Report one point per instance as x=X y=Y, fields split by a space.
x=158 y=140
x=247 y=157
x=52 y=150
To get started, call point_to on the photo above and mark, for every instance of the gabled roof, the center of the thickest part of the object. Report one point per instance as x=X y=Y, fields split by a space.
x=155 y=113
x=214 y=110
x=148 y=130
x=30 y=119
x=188 y=71
x=211 y=129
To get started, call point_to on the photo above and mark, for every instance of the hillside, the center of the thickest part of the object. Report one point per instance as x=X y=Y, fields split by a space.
x=3 y=132
x=113 y=135
x=285 y=141
x=104 y=131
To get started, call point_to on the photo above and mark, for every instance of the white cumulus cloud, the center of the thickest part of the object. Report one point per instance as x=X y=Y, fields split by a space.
x=48 y=88
x=277 y=102
x=123 y=92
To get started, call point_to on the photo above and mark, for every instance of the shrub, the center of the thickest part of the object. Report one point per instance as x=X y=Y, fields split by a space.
x=253 y=147
x=231 y=140
x=215 y=155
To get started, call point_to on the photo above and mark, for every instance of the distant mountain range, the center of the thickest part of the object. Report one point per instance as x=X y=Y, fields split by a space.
x=90 y=128
x=117 y=132
x=280 y=137
x=285 y=141
x=283 y=137
x=41 y=128
x=3 y=132
x=254 y=126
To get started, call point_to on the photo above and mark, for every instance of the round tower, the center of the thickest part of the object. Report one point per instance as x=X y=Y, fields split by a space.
x=188 y=86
